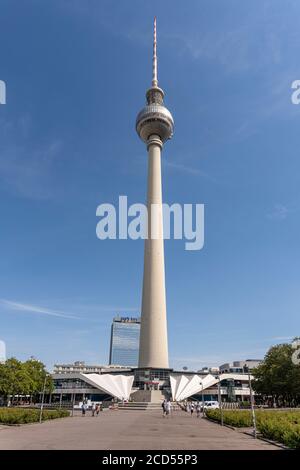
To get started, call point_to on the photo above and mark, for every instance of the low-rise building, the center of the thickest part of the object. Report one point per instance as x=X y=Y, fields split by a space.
x=76 y=382
x=209 y=370
x=82 y=367
x=239 y=367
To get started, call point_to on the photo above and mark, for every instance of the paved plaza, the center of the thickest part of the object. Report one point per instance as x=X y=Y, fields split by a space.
x=125 y=430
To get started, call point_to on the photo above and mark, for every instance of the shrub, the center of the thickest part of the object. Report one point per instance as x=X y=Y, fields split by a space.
x=240 y=419
x=245 y=404
x=24 y=416
x=280 y=426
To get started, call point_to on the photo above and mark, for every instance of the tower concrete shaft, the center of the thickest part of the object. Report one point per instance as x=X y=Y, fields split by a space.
x=154 y=125
x=153 y=336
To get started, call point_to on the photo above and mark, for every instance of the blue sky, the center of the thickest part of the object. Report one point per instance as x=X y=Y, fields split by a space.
x=76 y=74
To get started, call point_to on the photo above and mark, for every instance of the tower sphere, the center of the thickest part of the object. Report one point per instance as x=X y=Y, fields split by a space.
x=155 y=118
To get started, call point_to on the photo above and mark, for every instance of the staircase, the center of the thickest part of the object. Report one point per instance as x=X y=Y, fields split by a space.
x=140 y=406
x=148 y=396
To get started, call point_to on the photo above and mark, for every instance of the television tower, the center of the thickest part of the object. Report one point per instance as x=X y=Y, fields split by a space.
x=154 y=125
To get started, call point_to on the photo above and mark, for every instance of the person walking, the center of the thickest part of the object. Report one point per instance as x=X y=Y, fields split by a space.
x=168 y=408
x=163 y=405
x=97 y=409
x=93 y=409
x=198 y=409
x=192 y=409
x=83 y=409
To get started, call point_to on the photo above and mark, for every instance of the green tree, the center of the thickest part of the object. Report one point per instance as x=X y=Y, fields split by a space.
x=23 y=378
x=37 y=374
x=13 y=378
x=278 y=376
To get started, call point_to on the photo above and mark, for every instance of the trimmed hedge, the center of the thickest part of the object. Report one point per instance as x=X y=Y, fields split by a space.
x=280 y=426
x=28 y=415
x=237 y=418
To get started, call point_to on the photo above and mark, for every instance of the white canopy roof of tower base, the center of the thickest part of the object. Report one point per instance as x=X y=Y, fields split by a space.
x=185 y=386
x=119 y=386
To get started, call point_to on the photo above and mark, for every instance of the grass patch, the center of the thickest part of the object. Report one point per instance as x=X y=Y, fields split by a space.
x=28 y=415
x=280 y=426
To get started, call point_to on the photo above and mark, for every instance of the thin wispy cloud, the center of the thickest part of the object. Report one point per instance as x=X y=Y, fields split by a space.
x=217 y=360
x=230 y=47
x=35 y=309
x=84 y=305
x=26 y=169
x=117 y=309
x=99 y=309
x=282 y=338
x=187 y=169
x=279 y=212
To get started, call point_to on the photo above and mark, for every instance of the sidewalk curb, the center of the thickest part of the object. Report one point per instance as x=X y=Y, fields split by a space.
x=274 y=443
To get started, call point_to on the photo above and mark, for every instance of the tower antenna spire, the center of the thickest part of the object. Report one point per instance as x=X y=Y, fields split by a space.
x=154 y=64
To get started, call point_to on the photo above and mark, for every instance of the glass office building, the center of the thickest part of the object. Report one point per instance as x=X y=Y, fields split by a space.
x=124 y=341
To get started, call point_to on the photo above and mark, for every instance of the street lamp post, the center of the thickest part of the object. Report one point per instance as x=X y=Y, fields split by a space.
x=73 y=401
x=43 y=397
x=202 y=399
x=220 y=400
x=252 y=406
